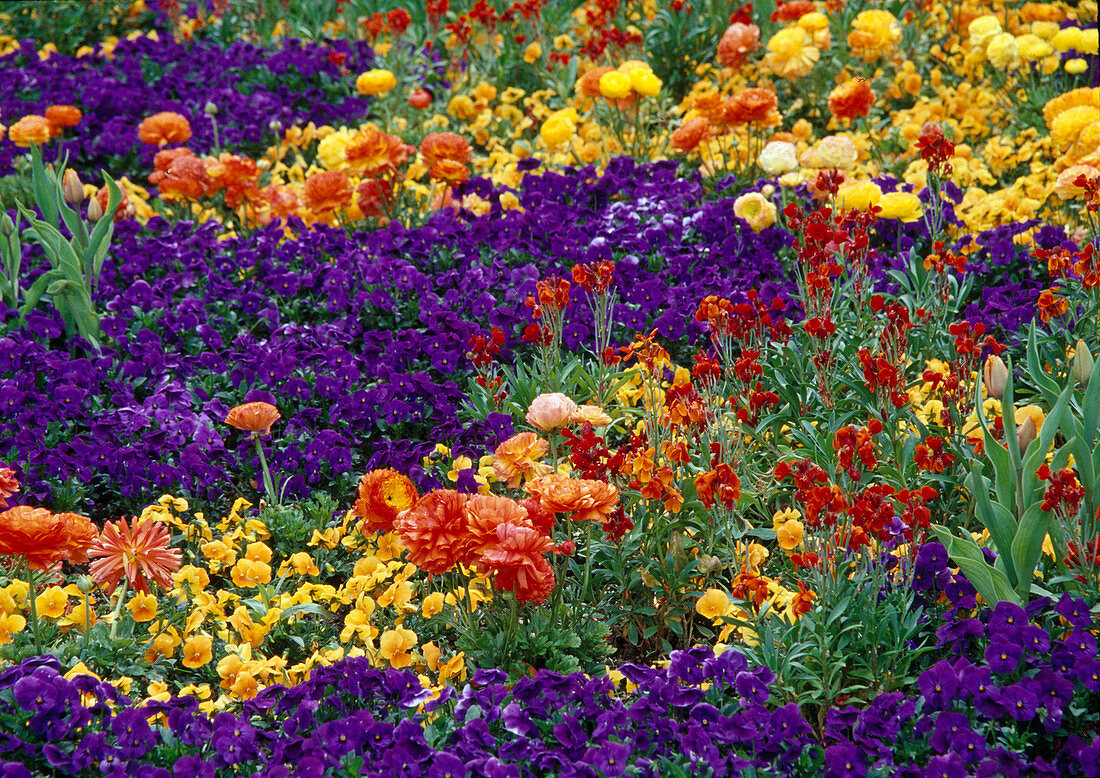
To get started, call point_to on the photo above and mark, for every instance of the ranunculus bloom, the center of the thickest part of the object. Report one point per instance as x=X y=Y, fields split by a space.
x=557 y=130
x=434 y=531
x=816 y=24
x=9 y=485
x=645 y=83
x=375 y=82
x=791 y=53
x=254 y=417
x=486 y=512
x=851 y=99
x=585 y=499
x=757 y=210
x=80 y=534
x=30 y=129
x=35 y=533
x=449 y=171
x=875 y=34
x=589 y=83
x=831 y=152
x=186 y=177
x=163 y=128
x=982 y=29
x=615 y=85
x=1003 y=51
x=737 y=42
x=64 y=115
x=518 y=564
x=778 y=157
x=592 y=414
x=903 y=206
x=139 y=552
x=550 y=410
x=383 y=494
x=326 y=191
x=752 y=106
x=517 y=458
x=375 y=152
x=858 y=195
x=687 y=137
x=445 y=145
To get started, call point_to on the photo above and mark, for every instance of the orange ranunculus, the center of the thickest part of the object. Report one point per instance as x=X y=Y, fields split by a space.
x=185 y=178
x=517 y=562
x=737 y=42
x=375 y=152
x=585 y=499
x=256 y=418
x=449 y=171
x=282 y=202
x=445 y=145
x=486 y=512
x=589 y=83
x=383 y=494
x=374 y=196
x=551 y=410
x=163 y=128
x=327 y=191
x=851 y=99
x=235 y=175
x=163 y=161
x=754 y=105
x=126 y=208
x=687 y=137
x=35 y=533
x=517 y=458
x=30 y=129
x=64 y=115
x=80 y=534
x=139 y=552
x=434 y=530
x=9 y=485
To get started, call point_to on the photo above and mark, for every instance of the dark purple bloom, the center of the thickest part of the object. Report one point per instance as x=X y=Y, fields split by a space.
x=939 y=684
x=1074 y=610
x=845 y=760
x=1020 y=701
x=1003 y=654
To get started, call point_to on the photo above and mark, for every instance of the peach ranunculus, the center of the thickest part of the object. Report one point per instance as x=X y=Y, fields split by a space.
x=754 y=105
x=550 y=410
x=585 y=499
x=517 y=458
x=383 y=494
x=486 y=512
x=1066 y=187
x=255 y=418
x=9 y=485
x=449 y=171
x=434 y=531
x=445 y=145
x=517 y=562
x=737 y=42
x=163 y=128
x=591 y=414
x=687 y=137
x=30 y=129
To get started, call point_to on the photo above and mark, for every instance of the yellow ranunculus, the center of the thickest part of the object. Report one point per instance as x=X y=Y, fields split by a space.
x=875 y=34
x=817 y=25
x=557 y=131
x=982 y=29
x=1090 y=41
x=757 y=210
x=1033 y=48
x=902 y=206
x=1076 y=66
x=1069 y=38
x=615 y=85
x=858 y=195
x=791 y=53
x=644 y=82
x=1003 y=51
x=375 y=82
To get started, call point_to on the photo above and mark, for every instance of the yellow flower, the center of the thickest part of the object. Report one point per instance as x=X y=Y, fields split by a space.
x=1069 y=38
x=903 y=206
x=143 y=607
x=783 y=515
x=303 y=564
x=1076 y=66
x=1090 y=41
x=375 y=82
x=817 y=25
x=615 y=85
x=791 y=53
x=789 y=535
x=713 y=605
x=875 y=34
x=247 y=573
x=983 y=29
x=432 y=605
x=1067 y=125
x=1003 y=51
x=394 y=646
x=197 y=651
x=645 y=83
x=558 y=129
x=51 y=603
x=757 y=210
x=532 y=53
x=258 y=552
x=1033 y=48
x=858 y=195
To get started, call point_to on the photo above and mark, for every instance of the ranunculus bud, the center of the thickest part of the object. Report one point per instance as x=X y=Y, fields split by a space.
x=995 y=376
x=71 y=188
x=210 y=109
x=1082 y=363
x=550 y=411
x=95 y=210
x=1026 y=433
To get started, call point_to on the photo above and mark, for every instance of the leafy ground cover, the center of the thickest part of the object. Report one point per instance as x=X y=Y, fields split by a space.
x=549 y=389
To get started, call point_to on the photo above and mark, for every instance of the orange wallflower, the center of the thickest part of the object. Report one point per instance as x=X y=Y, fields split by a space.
x=34 y=533
x=687 y=137
x=737 y=42
x=518 y=564
x=64 y=115
x=851 y=99
x=256 y=418
x=754 y=105
x=434 y=530
x=138 y=552
x=720 y=484
x=164 y=128
x=1050 y=305
x=375 y=152
x=30 y=129
x=383 y=494
x=445 y=145
x=586 y=500
x=327 y=191
x=517 y=458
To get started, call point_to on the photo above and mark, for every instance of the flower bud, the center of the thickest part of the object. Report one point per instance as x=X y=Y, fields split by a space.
x=95 y=210
x=275 y=126
x=85 y=584
x=210 y=109
x=71 y=188
x=7 y=226
x=1082 y=363
x=994 y=376
x=1025 y=434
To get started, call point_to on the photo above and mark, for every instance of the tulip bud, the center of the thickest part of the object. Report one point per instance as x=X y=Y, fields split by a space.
x=95 y=210
x=71 y=188
x=275 y=126
x=994 y=376
x=1025 y=434
x=7 y=226
x=1082 y=363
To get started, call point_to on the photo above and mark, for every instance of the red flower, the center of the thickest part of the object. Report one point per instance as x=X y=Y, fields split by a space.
x=517 y=562
x=435 y=531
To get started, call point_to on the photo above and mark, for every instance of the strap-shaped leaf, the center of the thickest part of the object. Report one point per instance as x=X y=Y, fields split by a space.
x=1090 y=404
x=47 y=192
x=1047 y=385
x=1004 y=474
x=1008 y=415
x=991 y=583
x=76 y=226
x=1028 y=546
x=38 y=288
x=995 y=517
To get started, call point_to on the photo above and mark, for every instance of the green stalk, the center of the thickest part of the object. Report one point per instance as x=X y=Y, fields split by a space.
x=269 y=487
x=33 y=605
x=117 y=612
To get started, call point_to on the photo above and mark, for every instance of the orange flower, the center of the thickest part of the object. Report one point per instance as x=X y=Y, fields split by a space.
x=1051 y=306
x=383 y=494
x=517 y=458
x=486 y=512
x=163 y=128
x=737 y=42
x=327 y=191
x=81 y=533
x=445 y=145
x=138 y=552
x=375 y=152
x=851 y=99
x=449 y=171
x=126 y=209
x=589 y=83
x=434 y=530
x=30 y=129
x=754 y=105
x=687 y=137
x=591 y=500
x=64 y=115
x=256 y=418
x=9 y=485
x=803 y=601
x=163 y=161
x=186 y=177
x=34 y=533
x=234 y=175
x=720 y=484
x=518 y=564
x=374 y=196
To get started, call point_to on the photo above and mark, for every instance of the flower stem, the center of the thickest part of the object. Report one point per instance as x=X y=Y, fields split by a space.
x=117 y=613
x=33 y=605
x=269 y=487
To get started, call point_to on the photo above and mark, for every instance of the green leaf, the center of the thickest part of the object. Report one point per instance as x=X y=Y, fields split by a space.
x=1047 y=385
x=991 y=583
x=995 y=517
x=1028 y=546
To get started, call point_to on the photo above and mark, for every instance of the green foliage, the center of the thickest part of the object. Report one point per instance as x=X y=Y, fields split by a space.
x=70 y=24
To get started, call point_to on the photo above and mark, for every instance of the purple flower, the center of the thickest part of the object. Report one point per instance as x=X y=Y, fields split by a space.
x=1020 y=701
x=845 y=760
x=1074 y=610
x=945 y=766
x=939 y=684
x=751 y=687
x=1002 y=654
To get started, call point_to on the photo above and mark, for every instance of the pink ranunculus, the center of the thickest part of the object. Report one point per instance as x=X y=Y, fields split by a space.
x=550 y=410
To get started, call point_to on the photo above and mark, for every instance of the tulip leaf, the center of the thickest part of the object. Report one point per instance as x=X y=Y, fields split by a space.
x=1027 y=546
